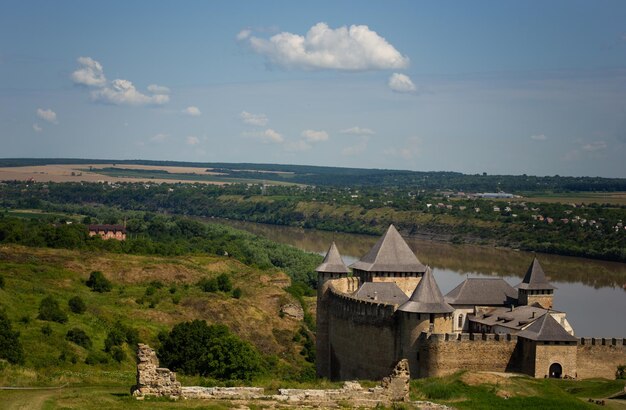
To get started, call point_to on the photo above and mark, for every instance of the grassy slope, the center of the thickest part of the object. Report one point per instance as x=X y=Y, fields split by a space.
x=31 y=274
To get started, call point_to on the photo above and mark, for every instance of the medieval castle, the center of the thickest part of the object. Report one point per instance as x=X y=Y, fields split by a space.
x=389 y=307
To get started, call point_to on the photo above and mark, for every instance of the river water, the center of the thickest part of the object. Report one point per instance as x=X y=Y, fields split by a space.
x=590 y=291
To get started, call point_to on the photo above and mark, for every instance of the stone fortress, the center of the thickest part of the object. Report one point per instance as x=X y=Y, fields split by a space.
x=389 y=307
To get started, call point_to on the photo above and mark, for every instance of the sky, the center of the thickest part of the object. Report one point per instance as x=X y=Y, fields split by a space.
x=503 y=87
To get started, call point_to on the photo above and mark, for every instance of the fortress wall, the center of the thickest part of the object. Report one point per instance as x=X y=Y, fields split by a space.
x=361 y=337
x=444 y=354
x=547 y=354
x=597 y=357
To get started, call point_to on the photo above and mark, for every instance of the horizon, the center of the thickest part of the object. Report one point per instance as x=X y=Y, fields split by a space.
x=501 y=88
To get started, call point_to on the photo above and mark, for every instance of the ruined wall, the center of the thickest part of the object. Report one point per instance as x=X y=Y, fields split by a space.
x=444 y=354
x=362 y=337
x=600 y=357
x=153 y=380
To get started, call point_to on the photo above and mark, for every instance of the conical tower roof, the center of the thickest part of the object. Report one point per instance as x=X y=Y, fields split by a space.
x=390 y=254
x=535 y=278
x=546 y=329
x=426 y=297
x=332 y=262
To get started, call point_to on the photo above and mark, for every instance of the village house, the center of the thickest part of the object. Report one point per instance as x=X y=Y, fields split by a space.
x=108 y=231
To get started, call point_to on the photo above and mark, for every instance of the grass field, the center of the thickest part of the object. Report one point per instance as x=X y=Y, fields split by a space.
x=614 y=198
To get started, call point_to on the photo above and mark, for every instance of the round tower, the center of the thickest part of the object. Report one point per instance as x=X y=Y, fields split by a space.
x=332 y=267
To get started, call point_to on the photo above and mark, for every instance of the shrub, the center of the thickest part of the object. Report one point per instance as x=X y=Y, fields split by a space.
x=223 y=283
x=119 y=335
x=96 y=357
x=150 y=290
x=50 y=310
x=98 y=283
x=210 y=351
x=173 y=289
x=10 y=345
x=117 y=353
x=67 y=356
x=46 y=330
x=77 y=305
x=237 y=293
x=78 y=336
x=1 y=282
x=621 y=372
x=208 y=285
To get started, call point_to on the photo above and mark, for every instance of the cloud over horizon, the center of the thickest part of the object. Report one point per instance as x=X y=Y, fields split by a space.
x=47 y=115
x=192 y=111
x=401 y=83
x=357 y=131
x=259 y=120
x=354 y=48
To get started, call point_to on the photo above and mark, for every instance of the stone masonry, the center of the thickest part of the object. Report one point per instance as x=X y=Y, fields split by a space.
x=153 y=380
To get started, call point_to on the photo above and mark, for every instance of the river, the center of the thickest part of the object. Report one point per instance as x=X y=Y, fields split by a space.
x=590 y=291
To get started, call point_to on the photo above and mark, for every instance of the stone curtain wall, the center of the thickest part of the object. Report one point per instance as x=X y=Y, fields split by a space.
x=444 y=354
x=600 y=357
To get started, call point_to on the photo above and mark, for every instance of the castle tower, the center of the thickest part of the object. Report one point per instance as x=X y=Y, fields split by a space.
x=332 y=267
x=390 y=260
x=425 y=311
x=535 y=288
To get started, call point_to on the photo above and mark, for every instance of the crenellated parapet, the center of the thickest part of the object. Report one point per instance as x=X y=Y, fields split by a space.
x=346 y=306
x=601 y=341
x=468 y=337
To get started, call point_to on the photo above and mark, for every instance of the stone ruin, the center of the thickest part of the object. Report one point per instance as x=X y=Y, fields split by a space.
x=156 y=381
x=153 y=380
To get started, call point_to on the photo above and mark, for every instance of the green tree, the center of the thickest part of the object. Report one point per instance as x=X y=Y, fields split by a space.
x=98 y=282
x=78 y=336
x=77 y=305
x=209 y=350
x=223 y=283
x=10 y=345
x=50 y=310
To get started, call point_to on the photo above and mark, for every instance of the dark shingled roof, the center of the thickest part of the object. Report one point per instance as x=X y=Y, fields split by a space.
x=535 y=278
x=482 y=292
x=426 y=297
x=390 y=254
x=515 y=319
x=107 y=228
x=387 y=292
x=546 y=329
x=332 y=262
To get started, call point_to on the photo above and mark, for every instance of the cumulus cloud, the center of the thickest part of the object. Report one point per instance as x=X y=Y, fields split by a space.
x=159 y=137
x=354 y=48
x=315 y=136
x=37 y=128
x=158 y=89
x=191 y=140
x=266 y=136
x=244 y=34
x=47 y=115
x=192 y=111
x=123 y=92
x=259 y=120
x=119 y=91
x=90 y=73
x=358 y=131
x=594 y=146
x=538 y=137
x=401 y=83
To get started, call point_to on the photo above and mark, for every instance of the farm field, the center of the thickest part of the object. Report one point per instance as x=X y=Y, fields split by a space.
x=613 y=198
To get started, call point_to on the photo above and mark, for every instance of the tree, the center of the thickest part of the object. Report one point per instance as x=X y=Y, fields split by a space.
x=10 y=345
x=78 y=336
x=98 y=282
x=50 y=310
x=209 y=350
x=223 y=283
x=77 y=305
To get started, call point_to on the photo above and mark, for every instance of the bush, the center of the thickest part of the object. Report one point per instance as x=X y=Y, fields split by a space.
x=117 y=353
x=1 y=282
x=119 y=335
x=10 y=345
x=96 y=357
x=50 y=310
x=98 y=283
x=237 y=293
x=77 y=305
x=208 y=285
x=223 y=283
x=621 y=372
x=46 y=330
x=67 y=356
x=78 y=336
x=211 y=351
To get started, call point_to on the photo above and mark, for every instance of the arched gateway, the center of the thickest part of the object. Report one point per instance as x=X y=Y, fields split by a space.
x=555 y=371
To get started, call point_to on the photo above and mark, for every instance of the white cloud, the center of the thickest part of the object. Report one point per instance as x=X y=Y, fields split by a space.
x=37 y=128
x=259 y=120
x=401 y=83
x=358 y=131
x=192 y=111
x=244 y=34
x=315 y=136
x=158 y=89
x=538 y=137
x=191 y=140
x=159 y=137
x=90 y=73
x=123 y=92
x=345 y=48
x=594 y=146
x=357 y=148
x=267 y=136
x=47 y=115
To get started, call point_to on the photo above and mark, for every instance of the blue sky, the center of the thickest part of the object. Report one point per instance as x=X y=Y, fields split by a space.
x=485 y=86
